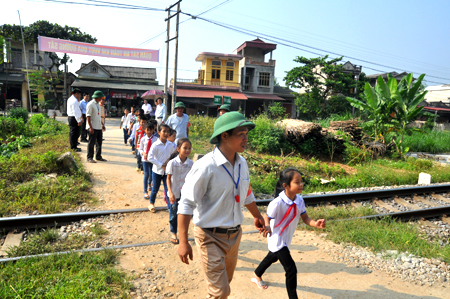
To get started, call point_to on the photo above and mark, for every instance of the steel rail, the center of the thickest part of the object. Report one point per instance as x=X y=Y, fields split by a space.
x=364 y=195
x=56 y=220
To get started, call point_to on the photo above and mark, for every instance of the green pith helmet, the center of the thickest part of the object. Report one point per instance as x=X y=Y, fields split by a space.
x=179 y=105
x=229 y=121
x=225 y=107
x=98 y=94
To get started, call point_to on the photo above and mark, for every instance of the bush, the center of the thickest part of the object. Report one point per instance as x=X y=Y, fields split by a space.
x=41 y=125
x=336 y=105
x=201 y=126
x=19 y=113
x=267 y=137
x=11 y=126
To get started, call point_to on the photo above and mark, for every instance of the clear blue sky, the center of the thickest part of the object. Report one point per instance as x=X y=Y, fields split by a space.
x=400 y=35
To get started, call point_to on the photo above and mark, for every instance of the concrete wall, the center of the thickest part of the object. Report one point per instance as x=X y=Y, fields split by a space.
x=438 y=96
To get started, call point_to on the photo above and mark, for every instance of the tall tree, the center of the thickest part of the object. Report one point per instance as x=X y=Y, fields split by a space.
x=45 y=28
x=318 y=79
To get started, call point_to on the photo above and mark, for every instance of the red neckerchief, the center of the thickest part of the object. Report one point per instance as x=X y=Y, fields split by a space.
x=149 y=144
x=139 y=132
x=293 y=206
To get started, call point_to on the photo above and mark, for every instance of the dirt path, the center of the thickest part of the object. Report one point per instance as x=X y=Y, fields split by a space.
x=161 y=274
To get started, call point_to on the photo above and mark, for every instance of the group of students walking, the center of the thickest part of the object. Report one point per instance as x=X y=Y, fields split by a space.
x=212 y=192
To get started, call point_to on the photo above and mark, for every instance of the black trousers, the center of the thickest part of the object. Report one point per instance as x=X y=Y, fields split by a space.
x=83 y=128
x=284 y=256
x=74 y=131
x=95 y=140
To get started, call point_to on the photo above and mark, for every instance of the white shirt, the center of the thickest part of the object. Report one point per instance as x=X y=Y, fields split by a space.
x=209 y=192
x=276 y=211
x=126 y=123
x=143 y=146
x=73 y=108
x=93 y=110
x=178 y=170
x=179 y=124
x=147 y=108
x=159 y=153
x=161 y=111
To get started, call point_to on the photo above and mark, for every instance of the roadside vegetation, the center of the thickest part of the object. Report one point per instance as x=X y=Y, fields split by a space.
x=29 y=152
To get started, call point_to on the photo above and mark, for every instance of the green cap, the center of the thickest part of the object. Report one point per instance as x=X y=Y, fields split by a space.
x=225 y=107
x=179 y=105
x=98 y=94
x=229 y=121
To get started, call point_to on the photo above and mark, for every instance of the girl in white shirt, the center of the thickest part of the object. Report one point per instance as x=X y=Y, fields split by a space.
x=177 y=169
x=281 y=220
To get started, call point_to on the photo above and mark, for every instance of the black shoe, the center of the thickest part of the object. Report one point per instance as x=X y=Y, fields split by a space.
x=103 y=139
x=101 y=159
x=78 y=149
x=78 y=143
x=91 y=161
x=84 y=140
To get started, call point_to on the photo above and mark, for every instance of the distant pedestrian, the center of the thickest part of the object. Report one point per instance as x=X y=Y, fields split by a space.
x=124 y=124
x=179 y=121
x=144 y=149
x=281 y=220
x=147 y=109
x=95 y=126
x=161 y=111
x=83 y=105
x=224 y=109
x=74 y=118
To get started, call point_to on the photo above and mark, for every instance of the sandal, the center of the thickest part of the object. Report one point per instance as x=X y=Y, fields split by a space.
x=151 y=208
x=146 y=196
x=174 y=241
x=261 y=284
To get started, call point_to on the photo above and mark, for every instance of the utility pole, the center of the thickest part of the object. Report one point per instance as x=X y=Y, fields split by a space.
x=26 y=65
x=166 y=88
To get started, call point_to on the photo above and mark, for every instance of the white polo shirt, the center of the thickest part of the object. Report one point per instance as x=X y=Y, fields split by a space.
x=209 y=192
x=276 y=211
x=147 y=108
x=179 y=124
x=179 y=171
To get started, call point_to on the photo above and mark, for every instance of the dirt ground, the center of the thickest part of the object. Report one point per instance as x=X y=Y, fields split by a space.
x=119 y=186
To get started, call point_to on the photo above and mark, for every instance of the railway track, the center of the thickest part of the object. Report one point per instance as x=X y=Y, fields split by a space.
x=403 y=203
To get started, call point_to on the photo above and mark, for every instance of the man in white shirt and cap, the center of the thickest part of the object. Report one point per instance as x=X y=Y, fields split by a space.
x=74 y=118
x=95 y=127
x=215 y=191
x=161 y=110
x=147 y=109
x=179 y=122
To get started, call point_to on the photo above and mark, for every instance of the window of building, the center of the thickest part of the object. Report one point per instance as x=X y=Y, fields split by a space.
x=264 y=79
x=230 y=63
x=94 y=69
x=216 y=63
x=229 y=76
x=215 y=74
x=16 y=58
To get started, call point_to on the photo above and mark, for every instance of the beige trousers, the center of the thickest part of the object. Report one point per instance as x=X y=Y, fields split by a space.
x=218 y=255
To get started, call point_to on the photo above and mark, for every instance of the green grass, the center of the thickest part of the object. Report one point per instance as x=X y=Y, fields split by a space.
x=24 y=187
x=432 y=142
x=75 y=275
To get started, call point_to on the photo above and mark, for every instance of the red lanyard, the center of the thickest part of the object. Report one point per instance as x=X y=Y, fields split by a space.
x=293 y=206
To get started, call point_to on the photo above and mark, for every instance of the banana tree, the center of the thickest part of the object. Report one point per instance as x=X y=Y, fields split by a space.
x=378 y=105
x=407 y=96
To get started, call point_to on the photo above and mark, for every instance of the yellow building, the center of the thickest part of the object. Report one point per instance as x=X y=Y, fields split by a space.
x=218 y=69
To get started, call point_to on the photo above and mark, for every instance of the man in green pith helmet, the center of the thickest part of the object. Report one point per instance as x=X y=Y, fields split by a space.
x=215 y=191
x=224 y=109
x=179 y=122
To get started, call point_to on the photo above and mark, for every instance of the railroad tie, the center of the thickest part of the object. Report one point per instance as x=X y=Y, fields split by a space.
x=382 y=204
x=427 y=223
x=446 y=219
x=426 y=201
x=441 y=198
x=11 y=241
x=356 y=204
x=403 y=202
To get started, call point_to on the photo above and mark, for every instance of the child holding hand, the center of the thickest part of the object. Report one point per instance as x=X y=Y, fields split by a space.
x=281 y=220
x=177 y=169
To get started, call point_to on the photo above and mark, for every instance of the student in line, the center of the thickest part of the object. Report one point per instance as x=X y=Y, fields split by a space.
x=144 y=149
x=159 y=153
x=281 y=221
x=137 y=142
x=177 y=169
